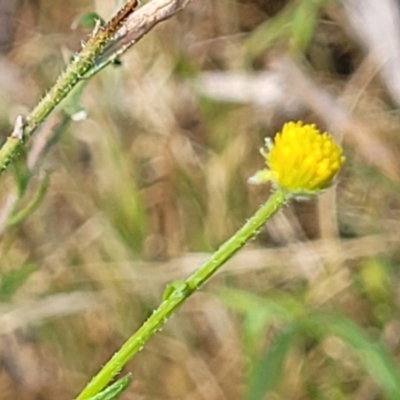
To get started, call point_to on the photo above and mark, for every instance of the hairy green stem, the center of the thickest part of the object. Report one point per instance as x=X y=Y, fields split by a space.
x=180 y=292
x=74 y=73
x=64 y=84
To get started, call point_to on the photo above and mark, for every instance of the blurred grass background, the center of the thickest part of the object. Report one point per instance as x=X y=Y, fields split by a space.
x=99 y=215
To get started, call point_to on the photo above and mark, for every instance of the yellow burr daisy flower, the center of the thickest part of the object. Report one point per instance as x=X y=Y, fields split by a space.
x=302 y=160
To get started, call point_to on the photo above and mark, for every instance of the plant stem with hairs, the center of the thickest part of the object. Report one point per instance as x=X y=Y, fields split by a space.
x=74 y=73
x=112 y=39
x=178 y=292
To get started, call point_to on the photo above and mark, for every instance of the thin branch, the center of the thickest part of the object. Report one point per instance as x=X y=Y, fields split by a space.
x=136 y=26
x=139 y=23
x=120 y=33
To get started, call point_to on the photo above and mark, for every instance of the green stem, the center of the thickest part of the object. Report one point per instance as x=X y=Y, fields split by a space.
x=74 y=73
x=160 y=316
x=64 y=84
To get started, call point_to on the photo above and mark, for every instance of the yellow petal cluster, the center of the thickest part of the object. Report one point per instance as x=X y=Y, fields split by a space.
x=302 y=160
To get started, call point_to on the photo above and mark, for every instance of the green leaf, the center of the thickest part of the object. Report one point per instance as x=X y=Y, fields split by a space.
x=89 y=20
x=19 y=216
x=265 y=310
x=303 y=24
x=258 y=313
x=296 y=23
x=269 y=32
x=372 y=354
x=173 y=288
x=114 y=390
x=22 y=174
x=14 y=279
x=269 y=369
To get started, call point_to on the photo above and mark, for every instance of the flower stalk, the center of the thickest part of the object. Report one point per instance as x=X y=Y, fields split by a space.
x=178 y=292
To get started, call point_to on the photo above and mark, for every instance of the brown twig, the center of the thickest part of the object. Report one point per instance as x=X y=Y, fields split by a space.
x=115 y=22
x=141 y=22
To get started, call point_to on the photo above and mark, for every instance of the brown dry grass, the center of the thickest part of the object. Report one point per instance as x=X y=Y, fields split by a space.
x=155 y=179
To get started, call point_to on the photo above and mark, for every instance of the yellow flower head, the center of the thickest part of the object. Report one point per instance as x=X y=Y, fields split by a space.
x=302 y=160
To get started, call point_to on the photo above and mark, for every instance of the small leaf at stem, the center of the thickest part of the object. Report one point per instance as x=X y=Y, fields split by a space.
x=114 y=390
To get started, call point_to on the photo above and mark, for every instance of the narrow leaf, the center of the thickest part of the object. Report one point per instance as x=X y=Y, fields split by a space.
x=115 y=390
x=269 y=369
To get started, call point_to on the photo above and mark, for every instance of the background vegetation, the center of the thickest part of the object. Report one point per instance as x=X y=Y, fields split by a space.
x=100 y=214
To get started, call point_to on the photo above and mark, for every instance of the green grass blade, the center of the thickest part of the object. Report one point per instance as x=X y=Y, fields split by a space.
x=268 y=371
x=372 y=354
